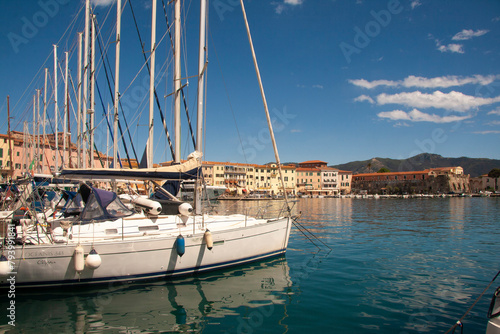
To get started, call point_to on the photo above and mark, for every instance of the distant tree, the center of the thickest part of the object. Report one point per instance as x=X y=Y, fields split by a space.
x=384 y=170
x=495 y=173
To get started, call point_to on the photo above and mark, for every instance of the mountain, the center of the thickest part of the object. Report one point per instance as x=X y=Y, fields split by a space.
x=473 y=166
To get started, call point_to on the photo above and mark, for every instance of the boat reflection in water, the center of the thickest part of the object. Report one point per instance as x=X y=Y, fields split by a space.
x=232 y=300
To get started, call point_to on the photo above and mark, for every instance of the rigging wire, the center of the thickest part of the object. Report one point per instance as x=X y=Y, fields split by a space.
x=111 y=92
x=459 y=322
x=167 y=134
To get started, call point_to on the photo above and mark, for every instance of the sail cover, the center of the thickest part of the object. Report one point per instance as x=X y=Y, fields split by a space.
x=185 y=171
x=103 y=205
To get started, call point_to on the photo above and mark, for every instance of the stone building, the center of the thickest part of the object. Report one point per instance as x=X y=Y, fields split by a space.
x=429 y=181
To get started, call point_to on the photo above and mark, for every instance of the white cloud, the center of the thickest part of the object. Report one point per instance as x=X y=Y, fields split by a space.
x=415 y=4
x=395 y=115
x=495 y=19
x=280 y=7
x=494 y=123
x=455 y=48
x=318 y=86
x=450 y=101
x=468 y=34
x=486 y=132
x=418 y=116
x=362 y=98
x=421 y=82
x=495 y=112
x=372 y=84
x=102 y=3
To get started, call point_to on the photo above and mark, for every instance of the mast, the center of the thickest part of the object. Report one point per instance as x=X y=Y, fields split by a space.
x=65 y=126
x=264 y=100
x=149 y=147
x=92 y=93
x=201 y=86
x=201 y=75
x=117 y=82
x=85 y=80
x=45 y=118
x=79 y=104
x=33 y=146
x=38 y=130
x=177 y=81
x=56 y=136
x=10 y=139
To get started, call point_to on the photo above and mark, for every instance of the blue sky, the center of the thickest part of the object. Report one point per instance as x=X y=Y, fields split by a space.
x=344 y=80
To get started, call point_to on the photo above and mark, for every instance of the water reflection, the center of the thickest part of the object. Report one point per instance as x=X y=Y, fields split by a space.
x=185 y=305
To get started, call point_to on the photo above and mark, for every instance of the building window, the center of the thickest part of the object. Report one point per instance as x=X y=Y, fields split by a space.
x=17 y=153
x=1 y=152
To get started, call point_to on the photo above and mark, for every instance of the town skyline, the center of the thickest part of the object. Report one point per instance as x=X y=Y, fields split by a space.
x=404 y=77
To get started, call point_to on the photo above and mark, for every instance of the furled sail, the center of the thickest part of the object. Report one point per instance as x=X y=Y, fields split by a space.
x=184 y=171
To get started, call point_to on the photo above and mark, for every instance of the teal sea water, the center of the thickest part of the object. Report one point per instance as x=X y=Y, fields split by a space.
x=396 y=266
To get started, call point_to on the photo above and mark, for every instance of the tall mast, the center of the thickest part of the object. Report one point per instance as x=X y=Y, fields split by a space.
x=79 y=104
x=264 y=100
x=65 y=126
x=45 y=118
x=56 y=136
x=10 y=139
x=177 y=81
x=149 y=147
x=117 y=82
x=33 y=136
x=201 y=86
x=92 y=93
x=38 y=130
x=201 y=75
x=85 y=80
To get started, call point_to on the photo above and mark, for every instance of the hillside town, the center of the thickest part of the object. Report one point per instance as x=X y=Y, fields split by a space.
x=309 y=178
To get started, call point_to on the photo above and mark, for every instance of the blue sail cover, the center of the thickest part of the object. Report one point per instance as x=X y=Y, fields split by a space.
x=103 y=205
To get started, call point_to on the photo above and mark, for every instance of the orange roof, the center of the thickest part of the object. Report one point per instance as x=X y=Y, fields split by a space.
x=312 y=162
x=392 y=173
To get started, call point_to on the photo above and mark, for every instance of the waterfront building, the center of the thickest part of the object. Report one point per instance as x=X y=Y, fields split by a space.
x=37 y=154
x=309 y=177
x=432 y=181
x=329 y=181
x=484 y=183
x=345 y=181
x=267 y=179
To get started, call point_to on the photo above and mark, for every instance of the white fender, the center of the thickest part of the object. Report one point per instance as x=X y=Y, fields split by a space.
x=208 y=239
x=78 y=259
x=151 y=207
x=4 y=266
x=185 y=209
x=93 y=260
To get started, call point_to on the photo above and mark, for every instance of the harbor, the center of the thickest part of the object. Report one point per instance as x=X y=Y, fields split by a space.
x=143 y=190
x=412 y=266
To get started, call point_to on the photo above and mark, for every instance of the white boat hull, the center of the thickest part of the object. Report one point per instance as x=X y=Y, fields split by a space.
x=149 y=256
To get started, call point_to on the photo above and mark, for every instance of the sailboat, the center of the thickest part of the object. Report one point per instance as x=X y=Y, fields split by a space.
x=156 y=237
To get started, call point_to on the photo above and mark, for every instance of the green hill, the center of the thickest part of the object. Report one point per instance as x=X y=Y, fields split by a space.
x=473 y=166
